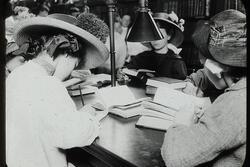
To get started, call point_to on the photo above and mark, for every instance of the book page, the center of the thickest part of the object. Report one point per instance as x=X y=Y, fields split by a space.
x=166 y=82
x=90 y=80
x=130 y=112
x=176 y=99
x=134 y=72
x=153 y=113
x=119 y=95
x=154 y=123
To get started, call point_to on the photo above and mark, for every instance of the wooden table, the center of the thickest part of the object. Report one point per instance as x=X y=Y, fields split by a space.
x=120 y=143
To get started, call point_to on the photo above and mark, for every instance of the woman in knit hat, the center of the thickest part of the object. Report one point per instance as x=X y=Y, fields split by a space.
x=41 y=118
x=215 y=136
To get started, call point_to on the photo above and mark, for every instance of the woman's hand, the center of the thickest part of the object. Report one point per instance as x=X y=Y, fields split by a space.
x=192 y=90
x=122 y=78
x=188 y=115
x=81 y=74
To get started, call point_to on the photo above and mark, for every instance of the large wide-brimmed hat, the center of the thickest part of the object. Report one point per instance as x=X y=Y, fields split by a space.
x=95 y=52
x=172 y=21
x=223 y=38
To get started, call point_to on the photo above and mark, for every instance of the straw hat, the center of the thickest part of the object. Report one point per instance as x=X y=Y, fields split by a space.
x=95 y=52
x=223 y=38
x=173 y=21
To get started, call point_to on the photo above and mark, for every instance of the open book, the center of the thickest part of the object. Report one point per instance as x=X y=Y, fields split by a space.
x=134 y=72
x=118 y=100
x=156 y=82
x=88 y=86
x=160 y=113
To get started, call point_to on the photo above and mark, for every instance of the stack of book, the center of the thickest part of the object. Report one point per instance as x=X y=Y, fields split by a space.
x=136 y=73
x=160 y=113
x=156 y=82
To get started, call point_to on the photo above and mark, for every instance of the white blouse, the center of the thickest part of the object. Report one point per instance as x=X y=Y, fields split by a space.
x=41 y=119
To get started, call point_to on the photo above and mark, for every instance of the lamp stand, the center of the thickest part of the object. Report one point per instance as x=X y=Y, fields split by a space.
x=111 y=10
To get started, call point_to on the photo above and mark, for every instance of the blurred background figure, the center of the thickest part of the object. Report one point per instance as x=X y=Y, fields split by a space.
x=132 y=48
x=18 y=14
x=120 y=47
x=43 y=10
x=74 y=11
x=126 y=23
x=85 y=7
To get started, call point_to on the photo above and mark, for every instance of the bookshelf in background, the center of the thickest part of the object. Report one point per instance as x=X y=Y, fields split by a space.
x=218 y=6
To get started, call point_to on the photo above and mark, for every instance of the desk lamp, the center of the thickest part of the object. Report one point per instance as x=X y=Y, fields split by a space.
x=144 y=28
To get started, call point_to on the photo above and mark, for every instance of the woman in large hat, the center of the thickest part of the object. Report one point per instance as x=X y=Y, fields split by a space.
x=217 y=137
x=164 y=57
x=41 y=118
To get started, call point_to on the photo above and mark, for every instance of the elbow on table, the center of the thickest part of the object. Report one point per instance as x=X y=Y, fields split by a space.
x=174 y=160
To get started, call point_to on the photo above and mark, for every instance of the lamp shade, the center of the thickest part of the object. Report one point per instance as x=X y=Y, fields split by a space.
x=144 y=29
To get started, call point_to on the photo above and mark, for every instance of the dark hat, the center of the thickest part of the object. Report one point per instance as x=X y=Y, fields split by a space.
x=45 y=8
x=223 y=38
x=171 y=20
x=74 y=9
x=200 y=37
x=96 y=52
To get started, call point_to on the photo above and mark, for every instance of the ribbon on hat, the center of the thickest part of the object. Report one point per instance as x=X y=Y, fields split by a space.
x=174 y=18
x=30 y=48
x=63 y=41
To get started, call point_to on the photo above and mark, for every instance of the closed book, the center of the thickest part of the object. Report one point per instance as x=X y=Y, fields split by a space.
x=166 y=82
x=150 y=90
x=134 y=72
x=154 y=123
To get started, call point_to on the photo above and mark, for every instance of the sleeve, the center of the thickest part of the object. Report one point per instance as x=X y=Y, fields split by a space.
x=62 y=123
x=200 y=143
x=199 y=76
x=180 y=69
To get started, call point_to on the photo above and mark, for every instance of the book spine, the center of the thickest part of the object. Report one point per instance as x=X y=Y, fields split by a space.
x=170 y=6
x=176 y=7
x=196 y=5
x=207 y=8
x=185 y=8
x=165 y=6
x=191 y=8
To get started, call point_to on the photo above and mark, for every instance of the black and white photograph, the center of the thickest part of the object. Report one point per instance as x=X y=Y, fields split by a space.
x=123 y=83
